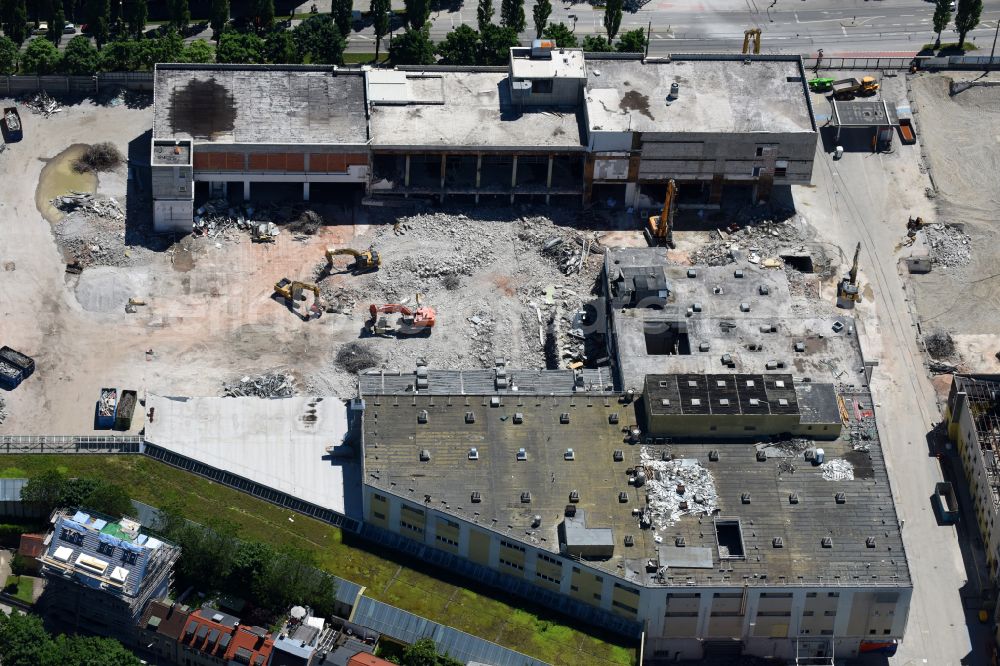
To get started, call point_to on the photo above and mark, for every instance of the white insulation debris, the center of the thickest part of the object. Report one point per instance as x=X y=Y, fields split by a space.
x=666 y=479
x=837 y=469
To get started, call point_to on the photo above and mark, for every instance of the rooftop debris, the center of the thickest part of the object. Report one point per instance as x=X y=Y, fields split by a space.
x=837 y=469
x=677 y=488
x=41 y=103
x=3 y=411
x=271 y=385
x=950 y=246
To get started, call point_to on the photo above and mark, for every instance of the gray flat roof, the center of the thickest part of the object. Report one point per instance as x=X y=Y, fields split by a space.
x=468 y=109
x=870 y=113
x=479 y=381
x=259 y=104
x=394 y=440
x=715 y=95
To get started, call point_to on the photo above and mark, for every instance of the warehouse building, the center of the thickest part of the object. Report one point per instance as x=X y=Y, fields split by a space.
x=711 y=547
x=552 y=127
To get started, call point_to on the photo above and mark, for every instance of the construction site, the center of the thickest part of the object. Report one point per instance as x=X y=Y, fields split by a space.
x=470 y=294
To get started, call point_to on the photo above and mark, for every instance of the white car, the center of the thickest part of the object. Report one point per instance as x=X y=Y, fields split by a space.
x=69 y=29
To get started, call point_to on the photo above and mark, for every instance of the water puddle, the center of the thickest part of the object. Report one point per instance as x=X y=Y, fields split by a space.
x=58 y=178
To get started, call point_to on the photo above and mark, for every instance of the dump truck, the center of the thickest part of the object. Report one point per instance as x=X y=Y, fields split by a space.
x=820 y=84
x=15 y=367
x=11 y=125
x=125 y=409
x=906 y=132
x=852 y=87
x=946 y=502
x=107 y=405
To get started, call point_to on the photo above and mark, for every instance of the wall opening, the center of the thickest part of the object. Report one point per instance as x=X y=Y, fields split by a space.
x=730 y=537
x=666 y=338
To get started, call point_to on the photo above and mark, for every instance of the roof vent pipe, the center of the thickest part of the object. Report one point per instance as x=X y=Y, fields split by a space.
x=674 y=92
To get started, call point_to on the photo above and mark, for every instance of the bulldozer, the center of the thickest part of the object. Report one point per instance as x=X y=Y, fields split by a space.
x=291 y=291
x=660 y=228
x=364 y=261
x=754 y=34
x=418 y=321
x=847 y=289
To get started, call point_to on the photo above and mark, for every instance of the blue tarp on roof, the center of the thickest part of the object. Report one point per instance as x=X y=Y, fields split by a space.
x=410 y=628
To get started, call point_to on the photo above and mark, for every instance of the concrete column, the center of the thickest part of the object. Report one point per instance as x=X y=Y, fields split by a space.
x=406 y=177
x=798 y=605
x=444 y=166
x=631 y=193
x=479 y=172
x=513 y=174
x=844 y=603
x=430 y=527
x=548 y=178
x=305 y=191
x=246 y=190
x=704 y=612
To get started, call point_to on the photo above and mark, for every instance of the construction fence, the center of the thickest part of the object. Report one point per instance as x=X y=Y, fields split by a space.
x=902 y=63
x=13 y=86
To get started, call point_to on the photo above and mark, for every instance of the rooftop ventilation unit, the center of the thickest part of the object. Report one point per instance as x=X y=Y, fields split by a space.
x=425 y=455
x=745 y=498
x=840 y=498
x=476 y=497
x=800 y=346
x=762 y=456
x=692 y=273
x=613 y=418
x=680 y=542
x=570 y=510
x=526 y=497
x=738 y=273
x=763 y=290
x=618 y=455
x=827 y=542
x=473 y=454
x=564 y=418
x=744 y=307
x=696 y=307
x=793 y=498
x=470 y=417
x=518 y=418
x=629 y=540
x=704 y=347
x=569 y=455
x=422 y=416
x=778 y=542
x=522 y=454
x=495 y=401
x=870 y=542
x=623 y=497
x=574 y=496
x=536 y=520
x=713 y=455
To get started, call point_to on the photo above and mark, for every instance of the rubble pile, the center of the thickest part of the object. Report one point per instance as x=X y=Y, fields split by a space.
x=940 y=345
x=950 y=246
x=790 y=448
x=93 y=231
x=837 y=469
x=41 y=103
x=3 y=411
x=755 y=243
x=271 y=385
x=355 y=357
x=677 y=487
x=218 y=220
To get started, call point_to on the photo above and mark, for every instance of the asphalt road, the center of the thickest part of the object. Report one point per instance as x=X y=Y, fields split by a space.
x=789 y=26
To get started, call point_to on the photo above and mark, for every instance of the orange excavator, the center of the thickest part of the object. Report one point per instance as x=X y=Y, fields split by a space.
x=660 y=228
x=417 y=321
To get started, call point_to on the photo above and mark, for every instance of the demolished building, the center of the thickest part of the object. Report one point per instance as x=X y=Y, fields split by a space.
x=552 y=127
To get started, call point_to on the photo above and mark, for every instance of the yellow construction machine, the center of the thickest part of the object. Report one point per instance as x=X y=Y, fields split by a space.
x=754 y=34
x=291 y=291
x=364 y=261
x=847 y=289
x=660 y=228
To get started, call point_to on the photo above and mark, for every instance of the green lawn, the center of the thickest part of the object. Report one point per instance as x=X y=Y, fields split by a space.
x=364 y=58
x=389 y=576
x=25 y=587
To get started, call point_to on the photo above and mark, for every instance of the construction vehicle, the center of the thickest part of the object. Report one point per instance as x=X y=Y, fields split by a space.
x=417 y=321
x=660 y=228
x=364 y=261
x=852 y=87
x=292 y=293
x=847 y=289
x=820 y=84
x=753 y=33
x=265 y=232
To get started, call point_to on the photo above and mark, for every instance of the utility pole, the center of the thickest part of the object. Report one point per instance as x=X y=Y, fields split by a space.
x=989 y=64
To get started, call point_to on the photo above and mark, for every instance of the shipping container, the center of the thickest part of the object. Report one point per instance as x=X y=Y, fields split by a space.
x=106 y=408
x=11 y=125
x=126 y=406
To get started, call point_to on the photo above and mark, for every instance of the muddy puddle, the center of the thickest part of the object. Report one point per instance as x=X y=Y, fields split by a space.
x=59 y=178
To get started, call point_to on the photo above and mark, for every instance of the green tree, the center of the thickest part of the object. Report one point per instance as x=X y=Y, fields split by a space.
x=460 y=47
x=23 y=641
x=262 y=13
x=942 y=17
x=633 y=41
x=57 y=22
x=45 y=489
x=425 y=653
x=235 y=47
x=180 y=14
x=613 y=17
x=121 y=56
x=417 y=12
x=10 y=55
x=343 y=15
x=319 y=39
x=250 y=561
x=512 y=15
x=540 y=13
x=207 y=554
x=280 y=47
x=98 y=16
x=413 y=47
x=484 y=14
x=107 y=498
x=89 y=650
x=220 y=17
x=80 y=58
x=495 y=43
x=967 y=18
x=597 y=44
x=14 y=20
x=199 y=51
x=562 y=35
x=381 y=13
x=135 y=14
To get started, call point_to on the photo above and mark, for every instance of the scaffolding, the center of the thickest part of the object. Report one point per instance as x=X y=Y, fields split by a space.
x=984 y=407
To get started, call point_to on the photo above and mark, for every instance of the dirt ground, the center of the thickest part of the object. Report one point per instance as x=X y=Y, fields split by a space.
x=210 y=316
x=961 y=145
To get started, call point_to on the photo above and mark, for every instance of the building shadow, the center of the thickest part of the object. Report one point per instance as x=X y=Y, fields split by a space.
x=139 y=198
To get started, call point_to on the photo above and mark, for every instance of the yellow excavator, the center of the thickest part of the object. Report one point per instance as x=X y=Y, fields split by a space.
x=364 y=261
x=291 y=291
x=660 y=228
x=847 y=289
x=753 y=33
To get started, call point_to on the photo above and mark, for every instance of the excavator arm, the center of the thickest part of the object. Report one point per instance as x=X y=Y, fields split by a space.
x=363 y=260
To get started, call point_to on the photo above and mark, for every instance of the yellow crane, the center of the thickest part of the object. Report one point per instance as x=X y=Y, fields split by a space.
x=754 y=34
x=364 y=260
x=660 y=228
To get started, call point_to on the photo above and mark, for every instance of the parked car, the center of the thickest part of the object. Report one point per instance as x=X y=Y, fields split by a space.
x=42 y=28
x=69 y=29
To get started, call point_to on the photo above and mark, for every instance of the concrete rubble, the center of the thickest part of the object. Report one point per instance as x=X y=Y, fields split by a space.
x=93 y=232
x=677 y=487
x=950 y=246
x=760 y=243
x=271 y=385
x=837 y=469
x=41 y=103
x=3 y=411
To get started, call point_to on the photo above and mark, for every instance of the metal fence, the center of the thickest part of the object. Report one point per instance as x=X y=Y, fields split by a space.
x=11 y=86
x=862 y=63
x=70 y=444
